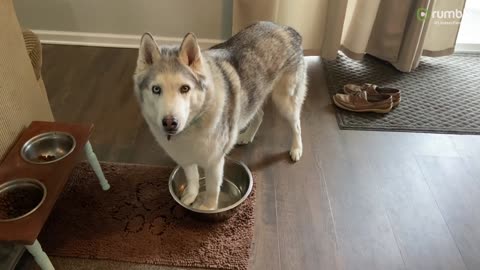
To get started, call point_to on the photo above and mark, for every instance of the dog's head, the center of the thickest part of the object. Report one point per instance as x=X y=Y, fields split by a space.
x=170 y=83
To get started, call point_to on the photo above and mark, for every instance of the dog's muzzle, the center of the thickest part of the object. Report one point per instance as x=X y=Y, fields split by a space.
x=170 y=125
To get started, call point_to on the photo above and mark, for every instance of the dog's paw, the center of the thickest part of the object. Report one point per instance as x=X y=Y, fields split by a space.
x=296 y=154
x=189 y=196
x=205 y=207
x=243 y=140
x=202 y=204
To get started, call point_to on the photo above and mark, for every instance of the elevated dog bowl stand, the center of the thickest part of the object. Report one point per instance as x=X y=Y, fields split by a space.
x=53 y=175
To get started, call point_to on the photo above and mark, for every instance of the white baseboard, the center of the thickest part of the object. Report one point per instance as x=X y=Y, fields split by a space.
x=109 y=40
x=467 y=47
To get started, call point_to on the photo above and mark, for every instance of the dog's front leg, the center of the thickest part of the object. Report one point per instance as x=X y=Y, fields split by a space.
x=213 y=178
x=191 y=191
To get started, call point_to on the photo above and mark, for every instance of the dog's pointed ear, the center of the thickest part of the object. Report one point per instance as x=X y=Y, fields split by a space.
x=190 y=53
x=148 y=52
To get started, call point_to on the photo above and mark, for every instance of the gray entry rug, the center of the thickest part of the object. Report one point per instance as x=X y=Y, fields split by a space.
x=441 y=96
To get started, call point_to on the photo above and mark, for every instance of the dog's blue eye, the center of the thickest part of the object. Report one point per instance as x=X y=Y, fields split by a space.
x=156 y=89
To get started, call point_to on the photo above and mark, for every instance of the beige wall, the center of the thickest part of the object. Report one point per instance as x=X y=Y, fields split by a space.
x=208 y=19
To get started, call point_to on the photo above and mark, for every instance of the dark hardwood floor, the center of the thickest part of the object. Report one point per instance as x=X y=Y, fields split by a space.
x=357 y=199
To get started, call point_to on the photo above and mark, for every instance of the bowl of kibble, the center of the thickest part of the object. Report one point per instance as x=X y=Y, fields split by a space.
x=20 y=198
x=48 y=147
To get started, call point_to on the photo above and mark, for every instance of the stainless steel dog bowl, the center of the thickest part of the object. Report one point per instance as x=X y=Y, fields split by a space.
x=48 y=147
x=237 y=185
x=20 y=197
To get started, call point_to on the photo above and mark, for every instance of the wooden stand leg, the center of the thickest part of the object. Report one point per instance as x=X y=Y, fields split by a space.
x=92 y=159
x=40 y=256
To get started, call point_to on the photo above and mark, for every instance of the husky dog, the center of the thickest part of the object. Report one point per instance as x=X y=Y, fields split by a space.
x=196 y=102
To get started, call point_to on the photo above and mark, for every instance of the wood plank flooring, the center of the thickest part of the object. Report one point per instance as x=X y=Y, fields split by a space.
x=357 y=199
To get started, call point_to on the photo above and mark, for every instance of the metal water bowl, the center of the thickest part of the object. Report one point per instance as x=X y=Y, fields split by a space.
x=48 y=147
x=20 y=198
x=237 y=185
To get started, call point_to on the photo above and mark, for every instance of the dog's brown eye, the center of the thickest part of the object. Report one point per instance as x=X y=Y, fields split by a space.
x=185 y=88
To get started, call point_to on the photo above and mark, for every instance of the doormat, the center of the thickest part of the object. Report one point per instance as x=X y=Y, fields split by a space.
x=440 y=96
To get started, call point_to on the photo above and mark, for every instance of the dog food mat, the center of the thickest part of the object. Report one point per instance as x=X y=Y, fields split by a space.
x=138 y=221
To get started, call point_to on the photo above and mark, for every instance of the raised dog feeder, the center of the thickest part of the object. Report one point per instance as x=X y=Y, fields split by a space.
x=48 y=147
x=237 y=185
x=33 y=175
x=20 y=198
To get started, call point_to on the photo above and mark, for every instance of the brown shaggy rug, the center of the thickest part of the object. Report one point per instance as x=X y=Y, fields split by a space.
x=138 y=221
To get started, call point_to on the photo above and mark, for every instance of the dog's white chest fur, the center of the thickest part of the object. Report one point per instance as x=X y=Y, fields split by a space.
x=187 y=148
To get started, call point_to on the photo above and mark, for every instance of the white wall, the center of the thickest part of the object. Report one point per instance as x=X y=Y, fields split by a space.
x=208 y=19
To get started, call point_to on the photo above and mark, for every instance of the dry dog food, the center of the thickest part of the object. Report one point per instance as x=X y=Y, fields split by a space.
x=17 y=202
x=46 y=158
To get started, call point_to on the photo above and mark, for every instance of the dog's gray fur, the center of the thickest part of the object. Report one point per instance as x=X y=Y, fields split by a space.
x=229 y=84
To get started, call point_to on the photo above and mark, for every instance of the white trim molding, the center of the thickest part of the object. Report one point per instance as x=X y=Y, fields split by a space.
x=467 y=47
x=109 y=40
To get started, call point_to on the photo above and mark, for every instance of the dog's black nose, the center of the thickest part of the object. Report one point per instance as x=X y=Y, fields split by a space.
x=170 y=123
